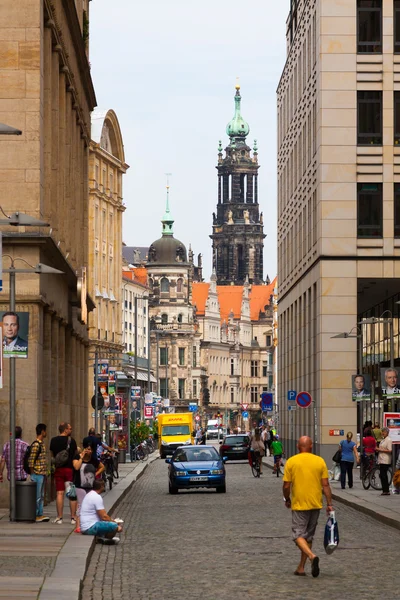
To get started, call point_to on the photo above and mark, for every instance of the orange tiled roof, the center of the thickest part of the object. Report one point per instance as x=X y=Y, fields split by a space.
x=230 y=298
x=138 y=274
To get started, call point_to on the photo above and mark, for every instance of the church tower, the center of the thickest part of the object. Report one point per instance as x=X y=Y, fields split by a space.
x=238 y=236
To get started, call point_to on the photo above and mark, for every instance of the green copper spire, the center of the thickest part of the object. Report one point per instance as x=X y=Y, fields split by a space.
x=237 y=127
x=167 y=220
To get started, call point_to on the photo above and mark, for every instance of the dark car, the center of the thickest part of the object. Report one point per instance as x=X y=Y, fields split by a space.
x=196 y=467
x=235 y=447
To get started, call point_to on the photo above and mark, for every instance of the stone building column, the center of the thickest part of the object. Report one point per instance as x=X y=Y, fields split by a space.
x=55 y=397
x=47 y=414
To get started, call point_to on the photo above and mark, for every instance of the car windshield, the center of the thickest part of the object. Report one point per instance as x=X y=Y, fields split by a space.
x=194 y=454
x=237 y=439
x=175 y=430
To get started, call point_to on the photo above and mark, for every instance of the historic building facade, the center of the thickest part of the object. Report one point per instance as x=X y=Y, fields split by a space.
x=338 y=210
x=238 y=237
x=47 y=92
x=106 y=169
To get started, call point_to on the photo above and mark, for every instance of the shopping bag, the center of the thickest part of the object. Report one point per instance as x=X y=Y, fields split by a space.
x=331 y=536
x=70 y=490
x=337 y=457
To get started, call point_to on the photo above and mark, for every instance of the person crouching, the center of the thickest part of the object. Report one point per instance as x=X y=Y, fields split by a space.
x=93 y=518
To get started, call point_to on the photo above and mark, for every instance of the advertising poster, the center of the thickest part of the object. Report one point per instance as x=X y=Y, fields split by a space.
x=149 y=398
x=390 y=383
x=135 y=392
x=1 y=358
x=103 y=389
x=148 y=412
x=102 y=374
x=392 y=422
x=112 y=375
x=15 y=328
x=361 y=387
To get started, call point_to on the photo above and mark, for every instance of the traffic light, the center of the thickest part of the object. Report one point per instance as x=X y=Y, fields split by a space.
x=206 y=396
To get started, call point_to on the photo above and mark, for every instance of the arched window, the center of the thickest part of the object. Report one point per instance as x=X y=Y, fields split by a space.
x=179 y=285
x=180 y=318
x=164 y=319
x=151 y=283
x=164 y=285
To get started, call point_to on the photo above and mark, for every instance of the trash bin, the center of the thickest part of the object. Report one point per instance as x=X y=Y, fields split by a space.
x=25 y=505
x=122 y=457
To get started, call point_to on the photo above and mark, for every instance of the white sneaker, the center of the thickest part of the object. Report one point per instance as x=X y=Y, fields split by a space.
x=118 y=520
x=73 y=521
x=108 y=542
x=58 y=520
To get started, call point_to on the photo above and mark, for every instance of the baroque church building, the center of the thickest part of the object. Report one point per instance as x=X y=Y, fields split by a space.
x=213 y=343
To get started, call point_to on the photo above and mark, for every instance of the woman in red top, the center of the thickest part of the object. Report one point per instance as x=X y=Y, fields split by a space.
x=369 y=443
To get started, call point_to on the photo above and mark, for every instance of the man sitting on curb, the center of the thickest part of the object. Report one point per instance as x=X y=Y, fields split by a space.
x=93 y=518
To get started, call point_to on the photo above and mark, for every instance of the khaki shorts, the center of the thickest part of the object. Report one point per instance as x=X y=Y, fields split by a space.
x=304 y=523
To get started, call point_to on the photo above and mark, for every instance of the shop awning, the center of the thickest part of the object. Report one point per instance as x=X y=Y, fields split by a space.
x=142 y=375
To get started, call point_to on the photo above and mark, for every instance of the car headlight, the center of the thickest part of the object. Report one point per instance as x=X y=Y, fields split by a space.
x=180 y=473
x=188 y=442
x=164 y=443
x=217 y=472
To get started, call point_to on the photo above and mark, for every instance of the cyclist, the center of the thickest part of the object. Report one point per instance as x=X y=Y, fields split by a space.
x=257 y=447
x=277 y=452
x=369 y=445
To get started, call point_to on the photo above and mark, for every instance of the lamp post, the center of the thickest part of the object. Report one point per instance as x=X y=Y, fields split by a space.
x=40 y=269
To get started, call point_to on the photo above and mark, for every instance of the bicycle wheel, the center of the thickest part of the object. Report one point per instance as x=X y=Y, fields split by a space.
x=254 y=470
x=375 y=479
x=366 y=481
x=145 y=453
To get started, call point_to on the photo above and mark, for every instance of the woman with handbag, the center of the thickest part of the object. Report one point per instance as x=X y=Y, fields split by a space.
x=87 y=468
x=349 y=453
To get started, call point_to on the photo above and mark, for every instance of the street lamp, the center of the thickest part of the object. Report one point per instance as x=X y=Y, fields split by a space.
x=7 y=130
x=40 y=269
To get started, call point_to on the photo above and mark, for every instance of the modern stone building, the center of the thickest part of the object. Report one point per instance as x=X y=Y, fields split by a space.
x=238 y=237
x=106 y=169
x=338 y=209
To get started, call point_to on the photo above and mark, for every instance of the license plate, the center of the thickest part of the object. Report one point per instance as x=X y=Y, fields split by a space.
x=199 y=479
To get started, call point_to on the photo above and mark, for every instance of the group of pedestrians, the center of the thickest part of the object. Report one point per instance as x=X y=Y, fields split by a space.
x=77 y=473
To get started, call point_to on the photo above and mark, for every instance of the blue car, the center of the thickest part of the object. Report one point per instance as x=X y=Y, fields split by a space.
x=196 y=467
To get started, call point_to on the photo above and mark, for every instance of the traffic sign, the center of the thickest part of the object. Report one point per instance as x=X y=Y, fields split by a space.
x=197 y=418
x=245 y=415
x=291 y=395
x=303 y=399
x=245 y=406
x=292 y=408
x=267 y=401
x=193 y=407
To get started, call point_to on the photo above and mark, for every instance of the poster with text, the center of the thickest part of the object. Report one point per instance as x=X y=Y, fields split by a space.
x=112 y=374
x=15 y=326
x=390 y=383
x=392 y=422
x=102 y=370
x=361 y=387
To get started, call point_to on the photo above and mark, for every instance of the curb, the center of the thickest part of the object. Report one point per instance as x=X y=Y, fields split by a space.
x=65 y=581
x=361 y=506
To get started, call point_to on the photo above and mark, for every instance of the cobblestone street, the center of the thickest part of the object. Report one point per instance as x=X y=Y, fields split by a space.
x=203 y=545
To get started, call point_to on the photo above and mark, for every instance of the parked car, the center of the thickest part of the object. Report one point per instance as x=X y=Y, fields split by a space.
x=235 y=447
x=196 y=467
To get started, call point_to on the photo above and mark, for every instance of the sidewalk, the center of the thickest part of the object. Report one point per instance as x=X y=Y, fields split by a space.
x=48 y=561
x=383 y=508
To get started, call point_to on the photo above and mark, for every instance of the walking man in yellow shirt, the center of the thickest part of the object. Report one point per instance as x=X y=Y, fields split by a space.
x=304 y=481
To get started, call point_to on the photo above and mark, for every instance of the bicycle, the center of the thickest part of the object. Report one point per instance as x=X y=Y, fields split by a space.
x=277 y=466
x=367 y=465
x=375 y=479
x=139 y=453
x=255 y=464
x=108 y=460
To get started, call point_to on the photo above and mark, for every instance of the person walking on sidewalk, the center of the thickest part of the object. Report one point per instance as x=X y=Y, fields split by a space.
x=385 y=460
x=304 y=482
x=20 y=449
x=63 y=448
x=349 y=453
x=38 y=467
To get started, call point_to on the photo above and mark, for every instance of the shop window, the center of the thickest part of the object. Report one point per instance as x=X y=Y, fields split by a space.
x=369 y=210
x=369 y=26
x=369 y=118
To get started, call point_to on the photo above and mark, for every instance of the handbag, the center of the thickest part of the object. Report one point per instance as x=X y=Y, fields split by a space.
x=70 y=490
x=331 y=535
x=337 y=457
x=62 y=457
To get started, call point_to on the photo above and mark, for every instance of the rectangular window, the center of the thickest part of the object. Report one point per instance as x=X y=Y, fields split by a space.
x=369 y=210
x=254 y=394
x=194 y=356
x=194 y=388
x=369 y=118
x=397 y=210
x=268 y=340
x=396 y=118
x=232 y=366
x=396 y=26
x=182 y=357
x=369 y=26
x=181 y=388
x=164 y=388
x=270 y=382
x=254 y=368
x=232 y=395
x=163 y=356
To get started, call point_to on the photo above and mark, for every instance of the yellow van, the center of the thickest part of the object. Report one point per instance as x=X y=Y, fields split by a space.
x=174 y=429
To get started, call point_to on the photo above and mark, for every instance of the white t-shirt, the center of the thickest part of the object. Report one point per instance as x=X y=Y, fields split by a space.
x=92 y=502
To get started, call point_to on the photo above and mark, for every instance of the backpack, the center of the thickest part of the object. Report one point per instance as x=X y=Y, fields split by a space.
x=62 y=457
x=27 y=456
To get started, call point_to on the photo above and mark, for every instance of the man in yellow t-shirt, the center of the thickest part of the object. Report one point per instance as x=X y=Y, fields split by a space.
x=306 y=478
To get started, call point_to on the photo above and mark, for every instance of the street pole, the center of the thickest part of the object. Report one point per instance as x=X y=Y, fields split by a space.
x=136 y=338
x=148 y=348
x=391 y=332
x=12 y=409
x=96 y=389
x=157 y=361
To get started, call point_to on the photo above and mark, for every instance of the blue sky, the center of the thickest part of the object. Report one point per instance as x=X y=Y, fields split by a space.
x=169 y=69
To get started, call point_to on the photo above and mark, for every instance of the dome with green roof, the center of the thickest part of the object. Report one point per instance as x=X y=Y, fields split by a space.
x=237 y=127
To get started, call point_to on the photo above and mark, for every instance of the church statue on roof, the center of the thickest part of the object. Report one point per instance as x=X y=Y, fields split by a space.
x=238 y=233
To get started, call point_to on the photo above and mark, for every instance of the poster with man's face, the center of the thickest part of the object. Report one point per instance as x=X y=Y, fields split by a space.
x=15 y=334
x=361 y=387
x=390 y=383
